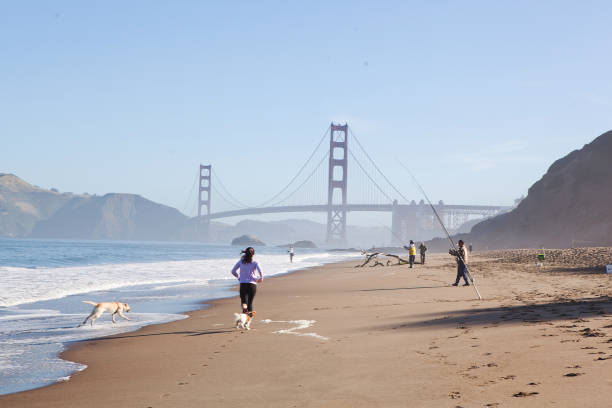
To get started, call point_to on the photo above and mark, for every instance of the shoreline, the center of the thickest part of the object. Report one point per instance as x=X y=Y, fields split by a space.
x=378 y=327
x=32 y=358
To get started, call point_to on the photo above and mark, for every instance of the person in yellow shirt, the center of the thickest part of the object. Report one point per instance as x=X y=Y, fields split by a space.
x=411 y=253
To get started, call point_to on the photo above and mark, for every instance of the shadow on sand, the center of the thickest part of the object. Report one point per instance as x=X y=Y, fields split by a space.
x=175 y=333
x=546 y=312
x=411 y=288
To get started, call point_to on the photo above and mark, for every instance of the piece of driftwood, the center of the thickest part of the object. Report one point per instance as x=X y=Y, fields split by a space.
x=400 y=260
x=373 y=257
x=369 y=258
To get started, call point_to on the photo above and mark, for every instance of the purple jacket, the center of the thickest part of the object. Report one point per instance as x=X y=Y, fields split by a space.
x=247 y=272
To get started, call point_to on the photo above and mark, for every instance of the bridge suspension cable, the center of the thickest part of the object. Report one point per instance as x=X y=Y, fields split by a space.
x=298 y=173
x=224 y=198
x=190 y=211
x=375 y=166
x=233 y=200
x=369 y=177
x=303 y=182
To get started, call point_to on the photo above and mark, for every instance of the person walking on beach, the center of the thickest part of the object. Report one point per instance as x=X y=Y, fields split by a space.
x=291 y=254
x=462 y=258
x=411 y=253
x=422 y=250
x=249 y=269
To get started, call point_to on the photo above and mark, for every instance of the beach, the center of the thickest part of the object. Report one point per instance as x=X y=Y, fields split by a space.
x=340 y=336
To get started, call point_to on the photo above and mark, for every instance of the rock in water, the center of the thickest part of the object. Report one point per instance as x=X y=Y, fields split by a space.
x=304 y=244
x=247 y=240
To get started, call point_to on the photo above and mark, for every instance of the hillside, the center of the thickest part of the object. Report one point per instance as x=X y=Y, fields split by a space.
x=571 y=205
x=30 y=211
x=113 y=217
x=22 y=205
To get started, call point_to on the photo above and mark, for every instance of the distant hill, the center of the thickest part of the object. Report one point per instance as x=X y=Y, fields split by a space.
x=22 y=205
x=30 y=211
x=113 y=217
x=571 y=205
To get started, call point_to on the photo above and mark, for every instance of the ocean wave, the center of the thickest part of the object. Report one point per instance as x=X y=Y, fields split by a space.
x=24 y=285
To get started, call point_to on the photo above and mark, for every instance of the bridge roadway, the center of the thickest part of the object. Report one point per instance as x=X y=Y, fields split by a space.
x=462 y=209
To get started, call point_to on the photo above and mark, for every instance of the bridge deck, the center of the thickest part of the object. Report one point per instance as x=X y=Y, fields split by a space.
x=458 y=209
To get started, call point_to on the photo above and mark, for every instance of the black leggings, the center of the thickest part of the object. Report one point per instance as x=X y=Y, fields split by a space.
x=247 y=294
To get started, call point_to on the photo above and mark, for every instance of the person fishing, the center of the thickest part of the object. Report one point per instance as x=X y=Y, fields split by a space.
x=411 y=253
x=248 y=278
x=291 y=253
x=422 y=250
x=461 y=255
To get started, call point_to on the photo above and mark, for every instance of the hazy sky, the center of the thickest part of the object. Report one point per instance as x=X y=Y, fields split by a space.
x=477 y=98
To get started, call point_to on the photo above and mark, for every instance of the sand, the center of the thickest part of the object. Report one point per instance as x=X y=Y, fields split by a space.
x=339 y=336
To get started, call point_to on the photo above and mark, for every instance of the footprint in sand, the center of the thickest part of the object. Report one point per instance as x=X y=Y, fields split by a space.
x=572 y=374
x=454 y=395
x=588 y=332
x=525 y=394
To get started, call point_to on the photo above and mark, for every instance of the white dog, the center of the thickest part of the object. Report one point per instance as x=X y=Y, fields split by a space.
x=243 y=320
x=111 y=307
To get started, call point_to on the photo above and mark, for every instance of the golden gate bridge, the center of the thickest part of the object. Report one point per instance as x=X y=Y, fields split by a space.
x=321 y=185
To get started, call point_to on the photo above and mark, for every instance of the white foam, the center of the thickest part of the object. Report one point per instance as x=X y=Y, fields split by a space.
x=31 y=338
x=77 y=369
x=299 y=325
x=25 y=285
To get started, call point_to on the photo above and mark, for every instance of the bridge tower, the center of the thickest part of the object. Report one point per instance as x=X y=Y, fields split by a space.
x=336 y=190
x=404 y=223
x=204 y=199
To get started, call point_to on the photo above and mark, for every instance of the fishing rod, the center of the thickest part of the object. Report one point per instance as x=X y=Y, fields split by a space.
x=455 y=249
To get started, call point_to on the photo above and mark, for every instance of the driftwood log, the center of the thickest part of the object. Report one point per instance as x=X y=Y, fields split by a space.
x=369 y=257
x=400 y=261
x=374 y=257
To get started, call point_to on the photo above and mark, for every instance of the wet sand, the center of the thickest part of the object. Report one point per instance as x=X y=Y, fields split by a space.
x=340 y=336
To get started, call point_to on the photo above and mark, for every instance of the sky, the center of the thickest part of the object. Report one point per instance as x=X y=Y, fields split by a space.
x=476 y=98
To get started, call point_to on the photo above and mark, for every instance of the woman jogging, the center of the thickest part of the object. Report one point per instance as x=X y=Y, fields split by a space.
x=248 y=279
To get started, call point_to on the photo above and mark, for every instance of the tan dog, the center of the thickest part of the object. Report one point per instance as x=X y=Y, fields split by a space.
x=243 y=320
x=111 y=307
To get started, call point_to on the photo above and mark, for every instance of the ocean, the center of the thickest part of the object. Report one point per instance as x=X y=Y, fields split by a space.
x=43 y=284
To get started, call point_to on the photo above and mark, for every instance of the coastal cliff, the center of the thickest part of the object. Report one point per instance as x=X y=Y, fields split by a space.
x=569 y=206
